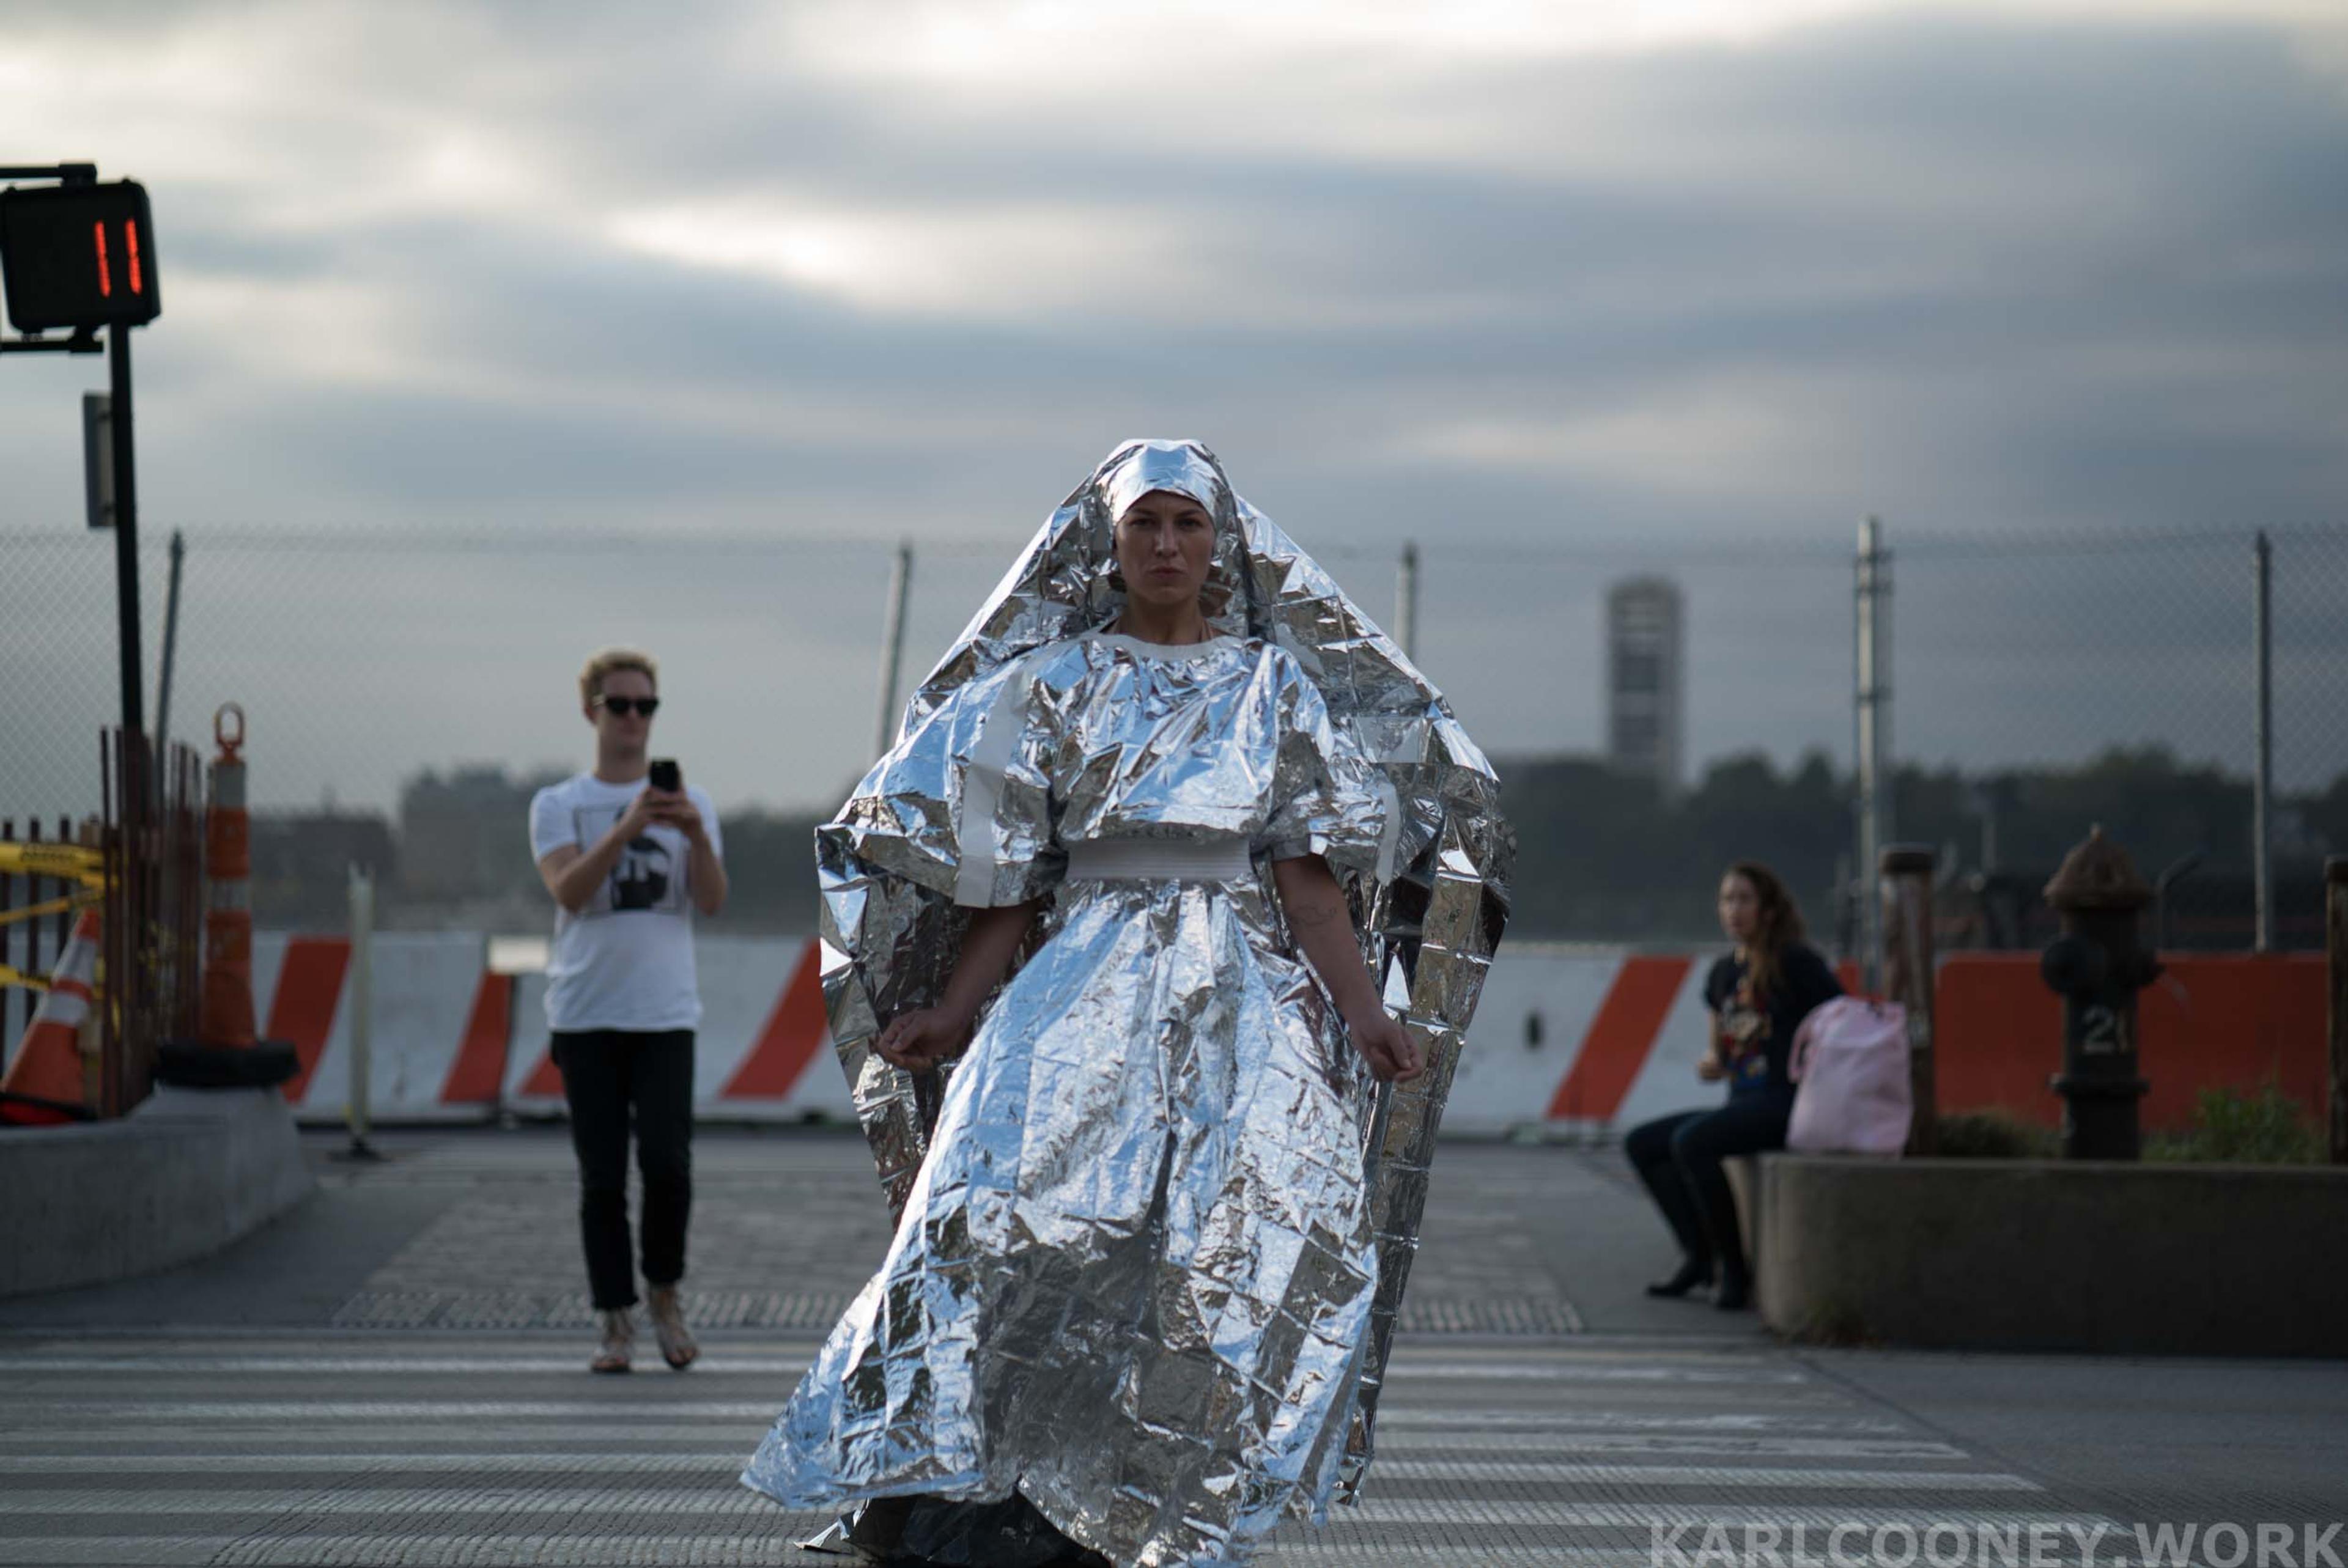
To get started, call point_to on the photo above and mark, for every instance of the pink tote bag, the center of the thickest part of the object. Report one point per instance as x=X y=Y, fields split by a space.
x=1849 y=1068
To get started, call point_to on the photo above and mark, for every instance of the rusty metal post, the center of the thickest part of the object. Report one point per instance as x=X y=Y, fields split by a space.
x=2097 y=965
x=2335 y=964
x=1905 y=891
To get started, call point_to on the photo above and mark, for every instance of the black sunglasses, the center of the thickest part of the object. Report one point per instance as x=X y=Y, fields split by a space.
x=647 y=706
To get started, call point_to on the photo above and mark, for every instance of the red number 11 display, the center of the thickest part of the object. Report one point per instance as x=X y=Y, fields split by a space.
x=78 y=256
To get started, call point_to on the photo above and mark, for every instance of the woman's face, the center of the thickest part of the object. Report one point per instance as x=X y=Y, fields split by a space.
x=1164 y=543
x=1740 y=908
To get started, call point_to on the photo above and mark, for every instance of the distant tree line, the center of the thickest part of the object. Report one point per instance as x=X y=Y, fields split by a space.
x=1601 y=856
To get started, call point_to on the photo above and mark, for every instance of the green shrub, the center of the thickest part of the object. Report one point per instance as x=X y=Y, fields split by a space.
x=1995 y=1134
x=2267 y=1128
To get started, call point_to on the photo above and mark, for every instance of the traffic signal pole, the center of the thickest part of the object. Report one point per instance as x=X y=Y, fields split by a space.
x=125 y=550
x=135 y=755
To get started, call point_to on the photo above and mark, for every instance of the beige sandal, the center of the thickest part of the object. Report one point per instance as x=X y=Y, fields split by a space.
x=619 y=1331
x=662 y=1306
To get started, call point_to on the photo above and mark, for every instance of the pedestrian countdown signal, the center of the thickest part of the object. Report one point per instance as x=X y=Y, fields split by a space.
x=79 y=256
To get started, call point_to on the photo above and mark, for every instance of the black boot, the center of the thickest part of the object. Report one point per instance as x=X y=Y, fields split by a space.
x=1735 y=1292
x=1692 y=1272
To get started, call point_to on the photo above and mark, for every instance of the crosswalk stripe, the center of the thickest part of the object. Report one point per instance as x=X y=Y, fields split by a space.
x=149 y=1410
x=1404 y=1369
x=1392 y=1419
x=492 y=1366
x=1723 y=1477
x=723 y=1364
x=1405 y=1417
x=644 y=1501
x=722 y=1465
x=722 y=1549
x=68 y=1452
x=1725 y=1446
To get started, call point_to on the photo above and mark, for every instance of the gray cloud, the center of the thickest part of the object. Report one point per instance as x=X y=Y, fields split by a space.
x=578 y=270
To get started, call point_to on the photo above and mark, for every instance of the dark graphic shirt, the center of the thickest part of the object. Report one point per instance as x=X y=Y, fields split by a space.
x=1754 y=1032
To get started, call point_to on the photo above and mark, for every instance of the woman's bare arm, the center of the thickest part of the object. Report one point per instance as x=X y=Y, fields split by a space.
x=920 y=1040
x=1323 y=928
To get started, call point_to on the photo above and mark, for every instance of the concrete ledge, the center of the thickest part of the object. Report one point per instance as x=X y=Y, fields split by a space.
x=2035 y=1255
x=186 y=1173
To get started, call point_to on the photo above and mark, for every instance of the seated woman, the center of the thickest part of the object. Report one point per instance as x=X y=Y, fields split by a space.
x=1759 y=994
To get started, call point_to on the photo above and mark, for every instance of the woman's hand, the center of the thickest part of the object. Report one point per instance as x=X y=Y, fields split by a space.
x=918 y=1041
x=1710 y=1068
x=1386 y=1046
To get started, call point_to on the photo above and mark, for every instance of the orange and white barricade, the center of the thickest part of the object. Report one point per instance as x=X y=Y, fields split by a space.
x=440 y=1024
x=762 y=1053
x=47 y=1080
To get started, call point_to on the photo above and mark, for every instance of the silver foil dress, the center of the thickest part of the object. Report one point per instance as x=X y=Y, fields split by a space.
x=1155 y=1223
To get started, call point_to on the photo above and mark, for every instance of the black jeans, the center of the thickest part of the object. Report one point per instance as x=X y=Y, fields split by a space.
x=1678 y=1157
x=607 y=1072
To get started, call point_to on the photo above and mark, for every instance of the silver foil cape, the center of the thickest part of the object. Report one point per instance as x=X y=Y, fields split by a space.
x=1154 y=1231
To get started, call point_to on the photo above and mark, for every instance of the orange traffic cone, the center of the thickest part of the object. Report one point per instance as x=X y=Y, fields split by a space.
x=44 y=1086
x=224 y=1055
x=224 y=1019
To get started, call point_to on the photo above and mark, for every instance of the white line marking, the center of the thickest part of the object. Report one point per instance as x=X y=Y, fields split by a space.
x=1514 y=1372
x=472 y=1366
x=724 y=1464
x=649 y=1501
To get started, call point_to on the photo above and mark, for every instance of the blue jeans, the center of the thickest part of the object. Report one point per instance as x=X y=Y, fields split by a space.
x=1678 y=1157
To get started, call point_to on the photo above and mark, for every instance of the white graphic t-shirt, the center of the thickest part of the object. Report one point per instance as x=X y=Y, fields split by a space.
x=626 y=961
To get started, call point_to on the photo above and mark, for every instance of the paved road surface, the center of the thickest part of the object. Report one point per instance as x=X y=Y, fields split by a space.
x=395 y=1375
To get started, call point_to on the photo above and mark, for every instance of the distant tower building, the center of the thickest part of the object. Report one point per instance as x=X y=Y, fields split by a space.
x=1646 y=680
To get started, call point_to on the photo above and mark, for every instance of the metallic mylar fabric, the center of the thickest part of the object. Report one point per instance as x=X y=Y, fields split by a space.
x=1430 y=901
x=1134 y=1274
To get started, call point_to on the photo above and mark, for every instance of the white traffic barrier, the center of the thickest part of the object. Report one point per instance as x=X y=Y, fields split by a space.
x=439 y=1023
x=1580 y=1036
x=1577 y=1037
x=761 y=1054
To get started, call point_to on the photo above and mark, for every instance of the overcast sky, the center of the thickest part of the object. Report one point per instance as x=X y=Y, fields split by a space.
x=1558 y=290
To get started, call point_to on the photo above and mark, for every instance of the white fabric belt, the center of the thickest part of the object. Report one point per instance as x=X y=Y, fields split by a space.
x=1158 y=860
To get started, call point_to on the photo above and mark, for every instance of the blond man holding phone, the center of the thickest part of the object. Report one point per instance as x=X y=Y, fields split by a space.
x=630 y=853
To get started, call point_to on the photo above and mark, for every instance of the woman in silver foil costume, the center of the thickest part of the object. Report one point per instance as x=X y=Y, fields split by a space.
x=1152 y=1232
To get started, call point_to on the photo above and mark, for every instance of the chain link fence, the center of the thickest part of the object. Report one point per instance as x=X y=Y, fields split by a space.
x=406 y=689
x=2043 y=684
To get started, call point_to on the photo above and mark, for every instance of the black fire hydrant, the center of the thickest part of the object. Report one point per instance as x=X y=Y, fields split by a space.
x=2098 y=965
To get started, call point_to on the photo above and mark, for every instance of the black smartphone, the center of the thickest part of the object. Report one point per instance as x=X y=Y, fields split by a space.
x=665 y=776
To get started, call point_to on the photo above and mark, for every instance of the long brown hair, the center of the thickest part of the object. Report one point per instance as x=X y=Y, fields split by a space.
x=1777 y=928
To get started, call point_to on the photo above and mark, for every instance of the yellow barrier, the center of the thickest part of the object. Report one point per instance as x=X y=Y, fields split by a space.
x=59 y=861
